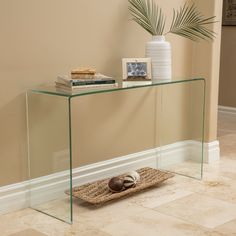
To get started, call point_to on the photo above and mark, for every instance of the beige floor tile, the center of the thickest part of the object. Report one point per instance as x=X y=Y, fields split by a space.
x=61 y=208
x=53 y=204
x=218 y=176
x=186 y=168
x=90 y=231
x=77 y=230
x=223 y=132
x=36 y=220
x=215 y=233
x=28 y=232
x=153 y=223
x=17 y=214
x=158 y=196
x=11 y=222
x=223 y=168
x=95 y=216
x=107 y=214
x=202 y=210
x=224 y=190
x=228 y=145
x=185 y=183
x=44 y=224
x=95 y=232
x=226 y=122
x=228 y=228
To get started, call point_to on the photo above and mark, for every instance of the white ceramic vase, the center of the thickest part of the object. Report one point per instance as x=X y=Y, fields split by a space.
x=159 y=50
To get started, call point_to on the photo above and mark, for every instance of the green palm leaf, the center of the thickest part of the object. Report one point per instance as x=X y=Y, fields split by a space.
x=190 y=23
x=187 y=22
x=148 y=15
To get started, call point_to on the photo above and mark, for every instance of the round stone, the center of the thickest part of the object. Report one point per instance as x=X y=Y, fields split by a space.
x=116 y=184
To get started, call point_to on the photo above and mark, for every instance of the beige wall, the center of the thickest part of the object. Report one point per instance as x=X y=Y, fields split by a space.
x=40 y=39
x=227 y=94
x=206 y=63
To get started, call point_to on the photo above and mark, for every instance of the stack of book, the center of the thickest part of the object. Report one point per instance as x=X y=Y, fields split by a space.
x=84 y=79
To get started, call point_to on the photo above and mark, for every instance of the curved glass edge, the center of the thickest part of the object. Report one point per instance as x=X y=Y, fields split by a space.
x=203 y=124
x=52 y=90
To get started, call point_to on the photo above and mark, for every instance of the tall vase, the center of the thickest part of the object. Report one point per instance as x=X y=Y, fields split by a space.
x=159 y=50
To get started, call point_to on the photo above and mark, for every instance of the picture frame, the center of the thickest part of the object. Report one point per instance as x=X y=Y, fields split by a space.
x=136 y=69
x=229 y=13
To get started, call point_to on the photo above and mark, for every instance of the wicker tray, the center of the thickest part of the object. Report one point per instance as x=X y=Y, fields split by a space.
x=98 y=192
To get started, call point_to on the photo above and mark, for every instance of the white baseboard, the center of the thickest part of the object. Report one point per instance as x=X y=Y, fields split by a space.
x=211 y=152
x=14 y=197
x=21 y=195
x=225 y=109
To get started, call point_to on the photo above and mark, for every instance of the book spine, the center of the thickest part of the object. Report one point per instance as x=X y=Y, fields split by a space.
x=82 y=76
x=92 y=82
x=74 y=88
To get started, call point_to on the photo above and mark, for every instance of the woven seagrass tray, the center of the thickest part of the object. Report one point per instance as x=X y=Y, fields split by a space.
x=98 y=192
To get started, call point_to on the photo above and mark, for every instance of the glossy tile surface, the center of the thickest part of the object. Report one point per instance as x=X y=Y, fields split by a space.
x=180 y=206
x=200 y=210
x=28 y=232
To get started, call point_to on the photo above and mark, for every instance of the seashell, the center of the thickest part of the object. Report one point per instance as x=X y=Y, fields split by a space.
x=129 y=181
x=116 y=184
x=134 y=174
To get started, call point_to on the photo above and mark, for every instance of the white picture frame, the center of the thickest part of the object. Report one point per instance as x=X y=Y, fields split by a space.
x=135 y=69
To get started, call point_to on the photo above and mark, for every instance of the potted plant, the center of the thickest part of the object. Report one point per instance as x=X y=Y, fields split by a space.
x=187 y=22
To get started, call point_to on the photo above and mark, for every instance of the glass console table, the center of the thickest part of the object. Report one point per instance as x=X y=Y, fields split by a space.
x=76 y=138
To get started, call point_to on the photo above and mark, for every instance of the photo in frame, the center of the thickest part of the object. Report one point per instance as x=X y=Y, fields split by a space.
x=136 y=69
x=229 y=13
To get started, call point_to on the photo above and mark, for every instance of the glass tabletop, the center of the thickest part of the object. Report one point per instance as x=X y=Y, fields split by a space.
x=124 y=85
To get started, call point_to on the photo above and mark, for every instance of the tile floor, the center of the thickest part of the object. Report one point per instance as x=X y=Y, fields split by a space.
x=181 y=206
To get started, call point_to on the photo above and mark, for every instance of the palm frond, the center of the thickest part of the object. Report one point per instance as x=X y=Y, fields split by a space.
x=190 y=23
x=148 y=15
